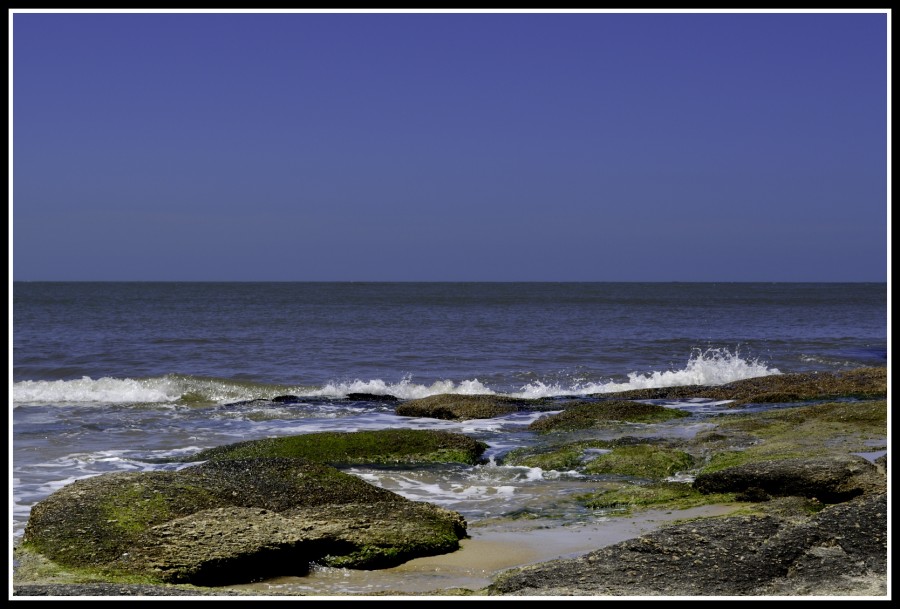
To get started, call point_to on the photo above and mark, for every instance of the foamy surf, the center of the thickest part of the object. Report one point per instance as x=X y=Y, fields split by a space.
x=492 y=489
x=707 y=367
x=101 y=391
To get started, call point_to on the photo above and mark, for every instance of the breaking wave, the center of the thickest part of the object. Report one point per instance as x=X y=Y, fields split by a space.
x=706 y=367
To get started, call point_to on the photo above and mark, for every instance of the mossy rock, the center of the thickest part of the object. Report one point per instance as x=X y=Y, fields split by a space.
x=387 y=446
x=642 y=461
x=830 y=479
x=571 y=456
x=587 y=415
x=233 y=521
x=453 y=407
x=625 y=498
x=800 y=432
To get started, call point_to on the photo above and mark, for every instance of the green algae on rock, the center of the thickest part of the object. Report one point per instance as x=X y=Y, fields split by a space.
x=799 y=432
x=569 y=456
x=623 y=456
x=641 y=461
x=829 y=479
x=625 y=497
x=587 y=415
x=451 y=406
x=386 y=446
x=233 y=521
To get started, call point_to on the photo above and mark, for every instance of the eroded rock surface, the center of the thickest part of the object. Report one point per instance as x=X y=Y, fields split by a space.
x=453 y=406
x=831 y=553
x=830 y=479
x=233 y=521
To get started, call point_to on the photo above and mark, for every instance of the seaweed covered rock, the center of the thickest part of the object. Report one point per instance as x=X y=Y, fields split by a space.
x=450 y=406
x=587 y=415
x=386 y=446
x=642 y=461
x=627 y=456
x=624 y=498
x=831 y=479
x=564 y=457
x=234 y=521
x=799 y=432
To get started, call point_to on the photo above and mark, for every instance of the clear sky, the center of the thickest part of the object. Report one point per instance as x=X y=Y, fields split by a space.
x=450 y=146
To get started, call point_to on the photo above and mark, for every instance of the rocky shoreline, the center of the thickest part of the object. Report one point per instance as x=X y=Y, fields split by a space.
x=812 y=517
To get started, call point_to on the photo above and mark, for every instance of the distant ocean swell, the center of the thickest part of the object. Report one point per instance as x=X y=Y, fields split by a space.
x=704 y=367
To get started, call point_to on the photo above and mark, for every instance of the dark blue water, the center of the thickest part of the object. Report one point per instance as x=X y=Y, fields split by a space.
x=506 y=335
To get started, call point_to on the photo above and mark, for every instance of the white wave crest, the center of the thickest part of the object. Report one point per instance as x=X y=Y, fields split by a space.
x=705 y=367
x=104 y=390
x=405 y=389
x=709 y=367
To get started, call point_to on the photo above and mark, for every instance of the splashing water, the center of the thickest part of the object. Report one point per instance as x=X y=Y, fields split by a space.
x=704 y=367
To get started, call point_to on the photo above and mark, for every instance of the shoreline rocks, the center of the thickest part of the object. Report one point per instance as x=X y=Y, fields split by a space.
x=234 y=521
x=814 y=521
x=454 y=407
x=827 y=554
x=833 y=479
x=384 y=446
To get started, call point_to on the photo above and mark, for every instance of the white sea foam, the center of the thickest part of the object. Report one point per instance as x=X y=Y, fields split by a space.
x=468 y=487
x=103 y=390
x=405 y=389
x=709 y=367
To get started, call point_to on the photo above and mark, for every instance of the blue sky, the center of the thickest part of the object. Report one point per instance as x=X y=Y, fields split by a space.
x=450 y=146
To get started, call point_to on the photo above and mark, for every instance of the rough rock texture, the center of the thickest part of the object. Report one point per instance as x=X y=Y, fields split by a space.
x=828 y=479
x=840 y=550
x=372 y=397
x=285 y=511
x=452 y=406
x=587 y=415
x=102 y=589
x=383 y=446
x=226 y=522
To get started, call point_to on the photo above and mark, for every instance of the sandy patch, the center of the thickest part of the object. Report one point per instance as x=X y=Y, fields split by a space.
x=491 y=548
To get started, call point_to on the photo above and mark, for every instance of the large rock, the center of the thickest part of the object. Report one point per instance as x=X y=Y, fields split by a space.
x=588 y=415
x=451 y=406
x=234 y=521
x=383 y=446
x=842 y=550
x=829 y=479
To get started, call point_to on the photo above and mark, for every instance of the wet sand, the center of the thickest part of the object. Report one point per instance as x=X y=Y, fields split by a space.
x=491 y=548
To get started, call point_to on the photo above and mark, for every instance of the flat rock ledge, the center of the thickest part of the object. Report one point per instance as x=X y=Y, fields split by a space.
x=841 y=550
x=456 y=407
x=234 y=521
x=829 y=479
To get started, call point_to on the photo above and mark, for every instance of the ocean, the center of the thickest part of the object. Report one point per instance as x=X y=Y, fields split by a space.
x=105 y=376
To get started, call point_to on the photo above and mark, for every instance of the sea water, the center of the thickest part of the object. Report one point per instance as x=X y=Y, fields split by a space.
x=107 y=377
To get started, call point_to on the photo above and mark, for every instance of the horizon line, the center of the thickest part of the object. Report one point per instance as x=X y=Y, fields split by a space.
x=443 y=281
